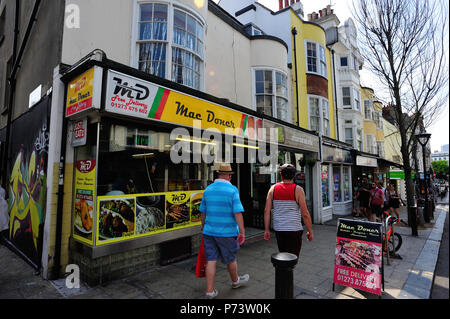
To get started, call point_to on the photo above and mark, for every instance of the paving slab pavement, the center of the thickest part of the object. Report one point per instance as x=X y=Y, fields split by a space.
x=405 y=278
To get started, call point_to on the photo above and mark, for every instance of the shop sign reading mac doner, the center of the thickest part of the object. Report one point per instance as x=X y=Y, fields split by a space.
x=134 y=97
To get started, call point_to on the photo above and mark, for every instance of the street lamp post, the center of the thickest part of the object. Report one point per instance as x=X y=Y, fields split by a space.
x=423 y=139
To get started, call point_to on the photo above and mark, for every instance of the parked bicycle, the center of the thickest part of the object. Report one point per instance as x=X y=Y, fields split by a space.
x=392 y=241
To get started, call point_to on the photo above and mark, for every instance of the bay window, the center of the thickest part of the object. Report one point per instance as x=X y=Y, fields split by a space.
x=271 y=93
x=173 y=51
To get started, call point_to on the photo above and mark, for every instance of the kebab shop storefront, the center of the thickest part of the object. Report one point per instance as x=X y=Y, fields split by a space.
x=142 y=158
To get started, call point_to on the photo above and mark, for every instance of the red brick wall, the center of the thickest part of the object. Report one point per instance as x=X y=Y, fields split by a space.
x=317 y=85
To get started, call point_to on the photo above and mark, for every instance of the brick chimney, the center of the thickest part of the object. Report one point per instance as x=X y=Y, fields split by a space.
x=286 y=3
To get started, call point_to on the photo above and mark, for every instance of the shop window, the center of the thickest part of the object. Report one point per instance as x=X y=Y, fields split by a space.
x=346 y=180
x=325 y=186
x=186 y=48
x=271 y=93
x=135 y=160
x=337 y=186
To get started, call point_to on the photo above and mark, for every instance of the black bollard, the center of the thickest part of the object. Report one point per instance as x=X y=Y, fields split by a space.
x=412 y=220
x=284 y=264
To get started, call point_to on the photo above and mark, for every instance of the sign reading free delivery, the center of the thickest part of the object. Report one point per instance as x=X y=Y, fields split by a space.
x=138 y=98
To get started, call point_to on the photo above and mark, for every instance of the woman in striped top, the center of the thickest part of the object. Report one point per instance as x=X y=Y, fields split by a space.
x=289 y=207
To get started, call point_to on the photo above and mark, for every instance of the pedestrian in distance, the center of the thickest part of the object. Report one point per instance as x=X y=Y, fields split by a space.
x=376 y=202
x=364 y=198
x=286 y=201
x=223 y=229
x=394 y=201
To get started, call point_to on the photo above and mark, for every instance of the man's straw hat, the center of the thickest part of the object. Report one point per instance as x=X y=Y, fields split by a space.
x=225 y=169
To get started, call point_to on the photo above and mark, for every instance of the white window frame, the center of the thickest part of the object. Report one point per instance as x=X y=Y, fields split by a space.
x=373 y=147
x=274 y=91
x=370 y=110
x=356 y=99
x=320 y=99
x=134 y=52
x=319 y=62
x=340 y=61
x=353 y=135
x=347 y=106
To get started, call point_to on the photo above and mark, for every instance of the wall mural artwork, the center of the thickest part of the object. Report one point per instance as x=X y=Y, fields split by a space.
x=28 y=182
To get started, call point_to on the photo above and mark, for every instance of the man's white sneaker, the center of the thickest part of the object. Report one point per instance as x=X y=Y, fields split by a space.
x=212 y=295
x=242 y=280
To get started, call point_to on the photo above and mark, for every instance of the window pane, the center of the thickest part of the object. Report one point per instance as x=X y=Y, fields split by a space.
x=259 y=75
x=160 y=12
x=325 y=186
x=146 y=12
x=179 y=36
x=199 y=31
x=159 y=52
x=191 y=24
x=281 y=108
x=346 y=180
x=337 y=183
x=344 y=61
x=268 y=76
x=348 y=133
x=191 y=43
x=159 y=31
x=179 y=19
x=145 y=31
x=259 y=87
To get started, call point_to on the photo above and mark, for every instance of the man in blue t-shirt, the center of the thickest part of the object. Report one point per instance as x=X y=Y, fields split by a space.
x=223 y=228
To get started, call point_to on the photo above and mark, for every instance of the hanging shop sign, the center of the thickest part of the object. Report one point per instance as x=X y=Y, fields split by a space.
x=399 y=175
x=125 y=217
x=84 y=92
x=79 y=133
x=134 y=97
x=83 y=225
x=336 y=155
x=366 y=161
x=359 y=257
x=292 y=137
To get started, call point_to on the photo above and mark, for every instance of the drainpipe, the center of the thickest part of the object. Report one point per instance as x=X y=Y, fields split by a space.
x=294 y=33
x=12 y=77
x=335 y=95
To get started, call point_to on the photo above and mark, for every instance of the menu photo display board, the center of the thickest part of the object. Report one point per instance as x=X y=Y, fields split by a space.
x=359 y=256
x=128 y=216
x=84 y=201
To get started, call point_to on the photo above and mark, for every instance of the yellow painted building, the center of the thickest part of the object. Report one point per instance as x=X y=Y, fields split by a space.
x=314 y=82
x=369 y=125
